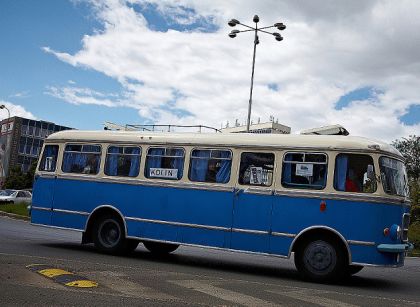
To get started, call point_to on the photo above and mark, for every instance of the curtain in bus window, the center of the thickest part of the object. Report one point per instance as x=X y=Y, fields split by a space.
x=68 y=159
x=178 y=163
x=223 y=175
x=154 y=162
x=199 y=166
x=111 y=167
x=135 y=162
x=340 y=172
x=287 y=169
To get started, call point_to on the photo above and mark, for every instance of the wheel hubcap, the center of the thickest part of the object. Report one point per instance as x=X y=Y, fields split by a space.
x=109 y=233
x=320 y=257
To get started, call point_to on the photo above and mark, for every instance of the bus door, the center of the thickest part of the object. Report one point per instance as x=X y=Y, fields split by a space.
x=44 y=186
x=253 y=202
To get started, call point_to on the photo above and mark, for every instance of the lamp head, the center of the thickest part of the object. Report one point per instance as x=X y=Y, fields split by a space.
x=256 y=19
x=280 y=26
x=232 y=35
x=233 y=22
x=279 y=38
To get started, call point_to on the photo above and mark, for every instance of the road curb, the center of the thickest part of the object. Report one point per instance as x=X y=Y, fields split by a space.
x=15 y=216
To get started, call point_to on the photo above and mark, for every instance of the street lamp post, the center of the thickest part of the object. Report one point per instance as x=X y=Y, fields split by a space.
x=5 y=156
x=234 y=22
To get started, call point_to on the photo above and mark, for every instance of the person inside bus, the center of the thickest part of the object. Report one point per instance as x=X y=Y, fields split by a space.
x=211 y=171
x=90 y=167
x=352 y=182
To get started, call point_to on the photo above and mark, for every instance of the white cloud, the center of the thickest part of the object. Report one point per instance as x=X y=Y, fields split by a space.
x=15 y=110
x=329 y=48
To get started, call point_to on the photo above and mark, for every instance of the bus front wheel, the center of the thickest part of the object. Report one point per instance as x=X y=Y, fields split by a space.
x=159 y=248
x=108 y=234
x=320 y=260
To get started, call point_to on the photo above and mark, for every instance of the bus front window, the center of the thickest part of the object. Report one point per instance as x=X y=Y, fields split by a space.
x=394 y=176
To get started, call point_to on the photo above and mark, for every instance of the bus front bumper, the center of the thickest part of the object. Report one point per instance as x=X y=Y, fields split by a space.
x=395 y=248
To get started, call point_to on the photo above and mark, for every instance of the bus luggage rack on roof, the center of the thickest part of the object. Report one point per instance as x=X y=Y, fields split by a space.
x=161 y=128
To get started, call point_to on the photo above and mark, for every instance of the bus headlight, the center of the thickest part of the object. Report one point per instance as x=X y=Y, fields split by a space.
x=395 y=232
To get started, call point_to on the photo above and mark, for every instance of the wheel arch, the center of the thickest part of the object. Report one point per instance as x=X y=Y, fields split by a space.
x=317 y=230
x=98 y=211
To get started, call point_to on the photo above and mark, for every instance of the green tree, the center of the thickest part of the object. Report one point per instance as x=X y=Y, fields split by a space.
x=18 y=180
x=410 y=149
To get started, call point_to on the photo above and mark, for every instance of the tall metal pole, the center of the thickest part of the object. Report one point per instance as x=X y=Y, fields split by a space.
x=248 y=123
x=5 y=156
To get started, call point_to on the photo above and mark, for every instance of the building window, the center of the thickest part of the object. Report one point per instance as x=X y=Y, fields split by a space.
x=210 y=165
x=81 y=159
x=49 y=158
x=256 y=168
x=304 y=170
x=351 y=173
x=123 y=161
x=165 y=163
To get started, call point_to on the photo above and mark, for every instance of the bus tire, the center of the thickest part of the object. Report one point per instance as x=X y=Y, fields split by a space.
x=354 y=269
x=108 y=234
x=320 y=259
x=159 y=248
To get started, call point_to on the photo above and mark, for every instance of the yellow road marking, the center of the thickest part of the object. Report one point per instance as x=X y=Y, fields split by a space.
x=82 y=284
x=54 y=272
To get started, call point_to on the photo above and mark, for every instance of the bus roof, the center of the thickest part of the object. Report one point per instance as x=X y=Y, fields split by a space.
x=289 y=141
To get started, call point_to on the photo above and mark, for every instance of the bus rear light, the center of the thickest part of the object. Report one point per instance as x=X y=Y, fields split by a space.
x=386 y=231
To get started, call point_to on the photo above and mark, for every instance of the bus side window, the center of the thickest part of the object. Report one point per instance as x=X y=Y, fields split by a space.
x=122 y=161
x=352 y=173
x=165 y=163
x=210 y=165
x=49 y=158
x=81 y=159
x=256 y=168
x=304 y=170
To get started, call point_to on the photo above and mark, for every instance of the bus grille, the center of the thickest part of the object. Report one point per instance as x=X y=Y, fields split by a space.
x=405 y=224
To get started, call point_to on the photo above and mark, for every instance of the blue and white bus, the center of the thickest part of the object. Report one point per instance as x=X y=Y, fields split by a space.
x=337 y=202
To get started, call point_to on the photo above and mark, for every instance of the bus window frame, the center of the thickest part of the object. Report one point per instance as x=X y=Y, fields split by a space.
x=305 y=188
x=190 y=156
x=100 y=153
x=184 y=164
x=105 y=153
x=375 y=159
x=237 y=163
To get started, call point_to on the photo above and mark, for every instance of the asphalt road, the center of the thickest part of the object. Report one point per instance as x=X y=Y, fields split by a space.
x=190 y=276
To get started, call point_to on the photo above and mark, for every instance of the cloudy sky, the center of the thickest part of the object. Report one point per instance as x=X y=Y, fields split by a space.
x=81 y=63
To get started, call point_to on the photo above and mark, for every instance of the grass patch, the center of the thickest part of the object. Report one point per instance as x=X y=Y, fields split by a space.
x=19 y=209
x=414 y=237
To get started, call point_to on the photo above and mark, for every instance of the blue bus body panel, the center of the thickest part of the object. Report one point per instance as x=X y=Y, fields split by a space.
x=206 y=217
x=251 y=212
x=160 y=204
x=43 y=197
x=354 y=220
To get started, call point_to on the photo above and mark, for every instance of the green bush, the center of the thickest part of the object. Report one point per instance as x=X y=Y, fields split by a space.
x=414 y=236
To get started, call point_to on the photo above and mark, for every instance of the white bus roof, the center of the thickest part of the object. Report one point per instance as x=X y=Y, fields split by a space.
x=289 y=141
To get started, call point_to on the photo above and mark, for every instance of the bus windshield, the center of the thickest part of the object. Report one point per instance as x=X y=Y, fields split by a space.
x=394 y=176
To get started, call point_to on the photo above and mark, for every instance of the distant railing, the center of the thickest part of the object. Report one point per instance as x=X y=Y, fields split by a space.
x=160 y=128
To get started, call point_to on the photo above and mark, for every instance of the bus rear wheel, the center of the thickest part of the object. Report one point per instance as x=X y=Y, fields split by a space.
x=108 y=235
x=320 y=260
x=159 y=248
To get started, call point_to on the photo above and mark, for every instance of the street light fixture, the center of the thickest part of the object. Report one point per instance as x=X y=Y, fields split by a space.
x=234 y=22
x=5 y=156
